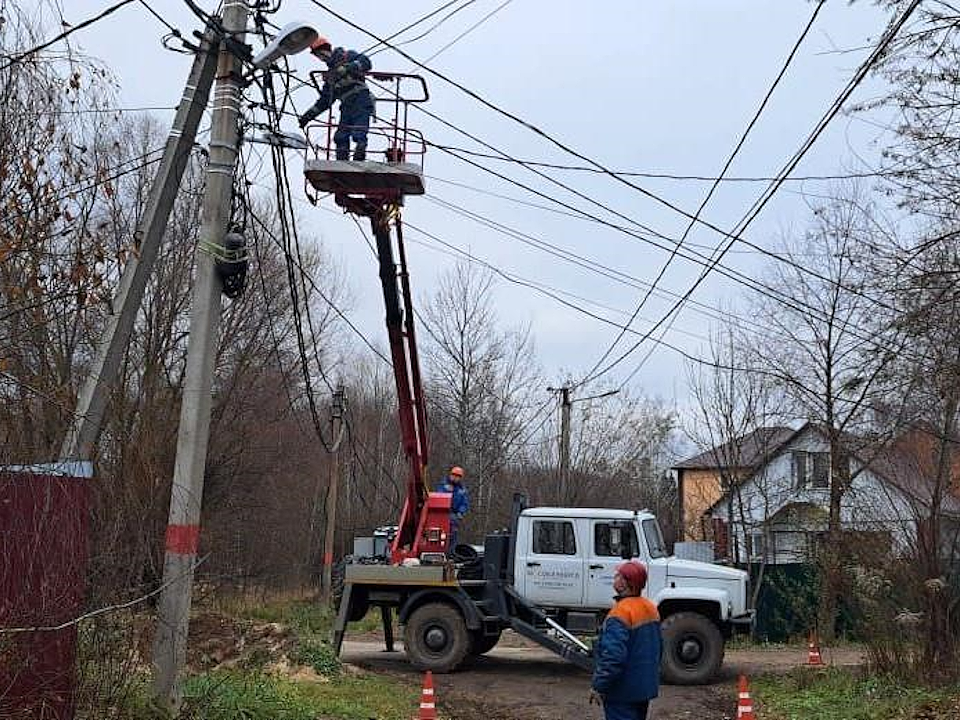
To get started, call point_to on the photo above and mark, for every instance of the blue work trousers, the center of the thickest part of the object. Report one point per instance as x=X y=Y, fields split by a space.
x=632 y=711
x=454 y=531
x=355 y=113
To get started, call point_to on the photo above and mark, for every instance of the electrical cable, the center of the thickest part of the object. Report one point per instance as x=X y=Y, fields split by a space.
x=562 y=146
x=372 y=50
x=713 y=187
x=20 y=57
x=690 y=177
x=469 y=30
x=755 y=210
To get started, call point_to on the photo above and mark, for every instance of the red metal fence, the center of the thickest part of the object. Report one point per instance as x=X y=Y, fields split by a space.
x=43 y=556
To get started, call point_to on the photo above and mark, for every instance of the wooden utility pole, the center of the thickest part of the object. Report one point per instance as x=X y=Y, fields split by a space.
x=330 y=523
x=183 y=528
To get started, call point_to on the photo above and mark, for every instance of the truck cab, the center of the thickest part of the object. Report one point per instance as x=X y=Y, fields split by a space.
x=565 y=562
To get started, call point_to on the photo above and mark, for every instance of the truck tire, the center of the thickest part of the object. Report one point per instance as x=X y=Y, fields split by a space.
x=481 y=643
x=692 y=649
x=436 y=638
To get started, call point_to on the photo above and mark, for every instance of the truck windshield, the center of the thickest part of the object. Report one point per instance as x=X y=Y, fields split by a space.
x=655 y=544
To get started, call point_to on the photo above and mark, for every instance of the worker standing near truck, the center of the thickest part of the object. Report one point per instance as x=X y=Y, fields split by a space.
x=459 y=504
x=346 y=82
x=626 y=675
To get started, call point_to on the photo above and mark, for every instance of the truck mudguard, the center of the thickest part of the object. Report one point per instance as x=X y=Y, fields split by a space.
x=681 y=594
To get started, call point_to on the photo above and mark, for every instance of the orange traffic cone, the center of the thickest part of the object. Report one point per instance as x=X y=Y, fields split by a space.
x=813 y=651
x=744 y=703
x=428 y=708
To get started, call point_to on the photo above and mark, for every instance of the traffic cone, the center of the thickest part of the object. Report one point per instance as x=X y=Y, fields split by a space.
x=813 y=651
x=428 y=707
x=744 y=703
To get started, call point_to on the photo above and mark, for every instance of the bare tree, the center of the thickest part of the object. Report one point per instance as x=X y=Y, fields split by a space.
x=828 y=360
x=483 y=384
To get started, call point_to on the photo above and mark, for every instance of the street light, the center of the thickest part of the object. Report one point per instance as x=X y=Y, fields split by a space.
x=293 y=38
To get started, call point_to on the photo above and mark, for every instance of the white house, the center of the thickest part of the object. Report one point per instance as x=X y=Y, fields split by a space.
x=778 y=512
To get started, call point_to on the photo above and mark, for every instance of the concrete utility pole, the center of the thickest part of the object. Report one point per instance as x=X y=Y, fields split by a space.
x=330 y=524
x=82 y=435
x=183 y=529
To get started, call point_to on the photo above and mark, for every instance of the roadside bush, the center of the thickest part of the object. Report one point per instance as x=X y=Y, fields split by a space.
x=318 y=655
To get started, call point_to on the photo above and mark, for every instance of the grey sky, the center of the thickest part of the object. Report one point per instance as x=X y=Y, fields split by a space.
x=643 y=86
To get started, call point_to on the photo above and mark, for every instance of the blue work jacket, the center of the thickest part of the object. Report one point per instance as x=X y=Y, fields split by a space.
x=460 y=502
x=627 y=664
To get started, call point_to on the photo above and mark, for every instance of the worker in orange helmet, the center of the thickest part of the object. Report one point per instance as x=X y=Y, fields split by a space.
x=459 y=503
x=345 y=81
x=626 y=670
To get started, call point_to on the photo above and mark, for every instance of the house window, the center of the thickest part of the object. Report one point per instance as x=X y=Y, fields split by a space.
x=554 y=537
x=758 y=546
x=811 y=470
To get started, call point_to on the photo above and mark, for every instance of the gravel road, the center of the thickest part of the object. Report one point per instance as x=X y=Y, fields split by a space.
x=521 y=682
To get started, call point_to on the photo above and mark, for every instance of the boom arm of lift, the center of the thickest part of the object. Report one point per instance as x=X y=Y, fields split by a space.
x=425 y=518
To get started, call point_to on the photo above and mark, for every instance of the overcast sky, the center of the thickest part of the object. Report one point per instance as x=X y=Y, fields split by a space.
x=643 y=86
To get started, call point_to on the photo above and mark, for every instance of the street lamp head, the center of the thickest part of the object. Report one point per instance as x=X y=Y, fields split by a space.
x=293 y=38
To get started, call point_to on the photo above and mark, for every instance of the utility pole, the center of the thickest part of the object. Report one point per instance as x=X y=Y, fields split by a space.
x=183 y=528
x=565 y=406
x=330 y=524
x=82 y=435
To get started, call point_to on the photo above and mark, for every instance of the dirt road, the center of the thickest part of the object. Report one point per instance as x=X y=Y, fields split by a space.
x=516 y=682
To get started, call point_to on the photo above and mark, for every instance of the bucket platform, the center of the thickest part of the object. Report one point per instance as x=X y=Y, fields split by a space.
x=393 y=167
x=347 y=177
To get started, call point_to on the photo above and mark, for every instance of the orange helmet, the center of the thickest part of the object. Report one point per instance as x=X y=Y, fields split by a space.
x=456 y=471
x=319 y=44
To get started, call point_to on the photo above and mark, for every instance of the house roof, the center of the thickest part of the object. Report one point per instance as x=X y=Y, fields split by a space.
x=751 y=450
x=898 y=464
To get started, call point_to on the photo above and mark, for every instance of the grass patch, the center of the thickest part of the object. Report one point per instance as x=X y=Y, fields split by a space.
x=306 y=616
x=834 y=694
x=257 y=696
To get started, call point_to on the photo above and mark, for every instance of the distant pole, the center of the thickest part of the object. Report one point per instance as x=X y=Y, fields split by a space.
x=92 y=399
x=183 y=529
x=330 y=524
x=565 y=405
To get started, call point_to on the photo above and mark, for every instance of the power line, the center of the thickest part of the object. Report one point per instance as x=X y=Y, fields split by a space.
x=689 y=177
x=20 y=57
x=713 y=187
x=566 y=148
x=758 y=206
x=469 y=30
x=466 y=4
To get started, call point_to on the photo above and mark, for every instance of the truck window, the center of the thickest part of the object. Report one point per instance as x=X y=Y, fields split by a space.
x=609 y=540
x=554 y=537
x=655 y=544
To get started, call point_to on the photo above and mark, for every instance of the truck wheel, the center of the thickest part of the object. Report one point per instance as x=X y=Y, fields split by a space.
x=692 y=649
x=482 y=643
x=436 y=638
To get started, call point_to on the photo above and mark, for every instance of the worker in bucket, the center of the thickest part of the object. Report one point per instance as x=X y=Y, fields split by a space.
x=345 y=81
x=626 y=674
x=459 y=504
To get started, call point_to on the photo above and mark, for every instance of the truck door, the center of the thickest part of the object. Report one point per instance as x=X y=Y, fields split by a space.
x=608 y=539
x=552 y=569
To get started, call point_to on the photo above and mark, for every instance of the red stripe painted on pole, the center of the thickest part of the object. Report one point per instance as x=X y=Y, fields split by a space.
x=183 y=539
x=328 y=558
